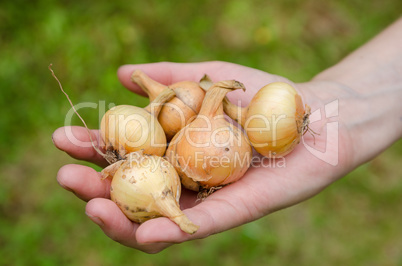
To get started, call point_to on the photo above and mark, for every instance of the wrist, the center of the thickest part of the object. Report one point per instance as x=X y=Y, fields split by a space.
x=369 y=121
x=374 y=92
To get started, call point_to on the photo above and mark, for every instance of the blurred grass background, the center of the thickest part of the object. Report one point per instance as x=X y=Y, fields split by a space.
x=356 y=221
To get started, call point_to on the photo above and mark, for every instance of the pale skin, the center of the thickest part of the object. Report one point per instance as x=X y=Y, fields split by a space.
x=368 y=87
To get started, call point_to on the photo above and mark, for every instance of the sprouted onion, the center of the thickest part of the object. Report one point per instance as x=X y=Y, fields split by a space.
x=210 y=151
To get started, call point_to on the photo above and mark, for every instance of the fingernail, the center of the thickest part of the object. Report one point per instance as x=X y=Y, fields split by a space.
x=95 y=219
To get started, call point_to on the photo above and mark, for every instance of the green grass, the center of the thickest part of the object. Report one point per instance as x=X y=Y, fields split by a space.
x=356 y=221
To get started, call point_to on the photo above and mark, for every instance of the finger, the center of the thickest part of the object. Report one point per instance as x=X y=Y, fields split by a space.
x=75 y=141
x=188 y=198
x=117 y=226
x=163 y=72
x=168 y=73
x=83 y=181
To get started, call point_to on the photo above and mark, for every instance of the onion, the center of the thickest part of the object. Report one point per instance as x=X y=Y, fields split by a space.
x=210 y=151
x=275 y=119
x=126 y=129
x=180 y=110
x=146 y=187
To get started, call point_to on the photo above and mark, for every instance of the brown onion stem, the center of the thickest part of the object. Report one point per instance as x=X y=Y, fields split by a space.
x=156 y=105
x=151 y=87
x=212 y=104
x=237 y=113
x=168 y=207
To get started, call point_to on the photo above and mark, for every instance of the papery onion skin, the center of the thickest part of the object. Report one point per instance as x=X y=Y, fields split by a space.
x=276 y=119
x=146 y=187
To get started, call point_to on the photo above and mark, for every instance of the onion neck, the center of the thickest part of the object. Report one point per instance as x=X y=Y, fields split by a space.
x=151 y=87
x=168 y=207
x=237 y=113
x=156 y=105
x=212 y=104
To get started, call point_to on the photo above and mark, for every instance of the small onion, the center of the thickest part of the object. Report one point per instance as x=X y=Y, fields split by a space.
x=210 y=151
x=146 y=187
x=126 y=129
x=275 y=119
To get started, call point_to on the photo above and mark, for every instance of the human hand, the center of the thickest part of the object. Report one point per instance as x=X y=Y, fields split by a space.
x=262 y=190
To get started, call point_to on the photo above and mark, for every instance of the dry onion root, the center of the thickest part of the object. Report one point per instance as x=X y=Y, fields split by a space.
x=210 y=151
x=146 y=187
x=179 y=111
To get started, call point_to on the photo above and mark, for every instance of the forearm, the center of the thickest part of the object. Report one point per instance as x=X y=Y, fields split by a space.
x=377 y=64
x=370 y=85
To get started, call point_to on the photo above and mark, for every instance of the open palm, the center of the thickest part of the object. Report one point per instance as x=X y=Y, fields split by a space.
x=266 y=187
